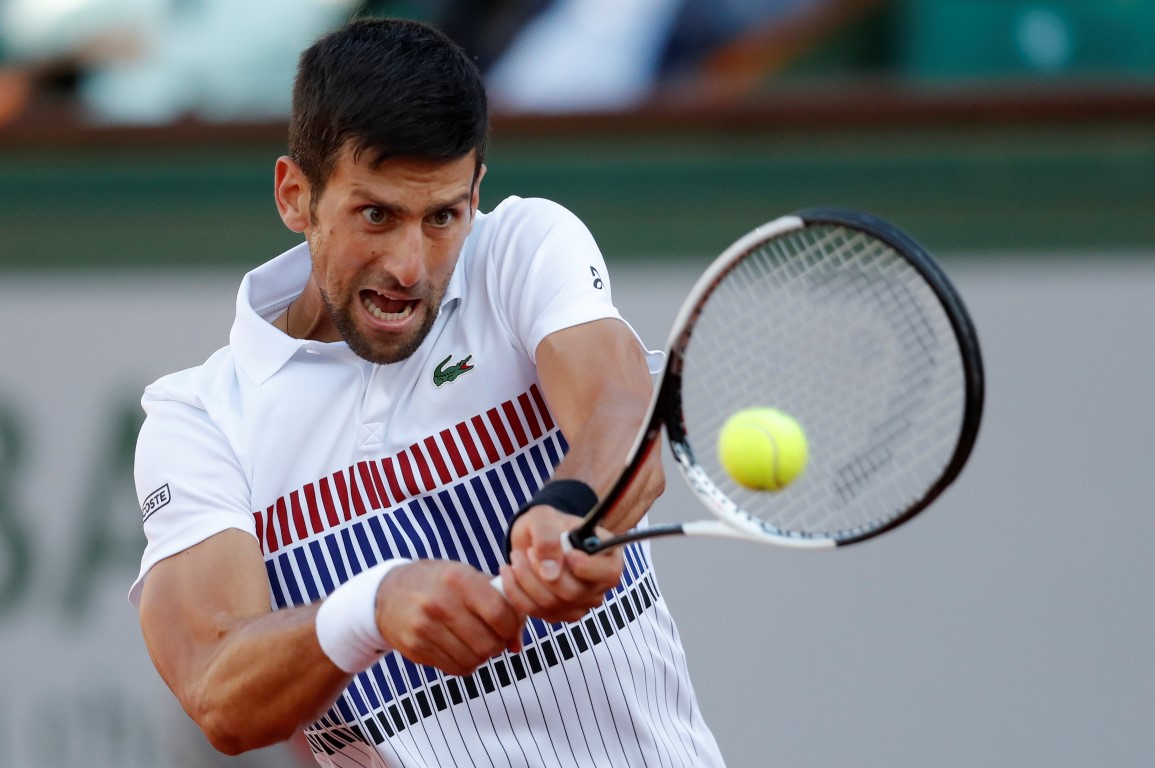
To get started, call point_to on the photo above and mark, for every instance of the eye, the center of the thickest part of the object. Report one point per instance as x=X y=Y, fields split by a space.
x=442 y=219
x=374 y=215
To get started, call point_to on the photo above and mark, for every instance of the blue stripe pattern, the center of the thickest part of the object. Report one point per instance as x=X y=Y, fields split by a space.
x=465 y=521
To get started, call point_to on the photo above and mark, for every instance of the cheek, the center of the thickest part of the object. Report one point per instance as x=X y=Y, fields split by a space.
x=335 y=259
x=327 y=268
x=443 y=258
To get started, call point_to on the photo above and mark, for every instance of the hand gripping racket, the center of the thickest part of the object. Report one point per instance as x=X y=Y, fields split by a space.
x=846 y=323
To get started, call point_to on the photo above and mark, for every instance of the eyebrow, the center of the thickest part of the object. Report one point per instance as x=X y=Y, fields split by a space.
x=396 y=209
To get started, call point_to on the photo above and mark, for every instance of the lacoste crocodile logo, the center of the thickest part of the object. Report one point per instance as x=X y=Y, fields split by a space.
x=443 y=375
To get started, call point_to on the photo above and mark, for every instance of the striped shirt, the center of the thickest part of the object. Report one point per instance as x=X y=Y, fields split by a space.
x=334 y=465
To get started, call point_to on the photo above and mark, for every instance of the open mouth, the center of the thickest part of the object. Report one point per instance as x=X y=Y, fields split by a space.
x=385 y=308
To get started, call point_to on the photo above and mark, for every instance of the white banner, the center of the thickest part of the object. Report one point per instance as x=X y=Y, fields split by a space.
x=75 y=355
x=1008 y=625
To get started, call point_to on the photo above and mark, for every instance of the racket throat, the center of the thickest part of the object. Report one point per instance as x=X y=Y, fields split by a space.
x=592 y=544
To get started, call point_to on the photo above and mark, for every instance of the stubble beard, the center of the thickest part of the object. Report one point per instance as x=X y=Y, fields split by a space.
x=379 y=351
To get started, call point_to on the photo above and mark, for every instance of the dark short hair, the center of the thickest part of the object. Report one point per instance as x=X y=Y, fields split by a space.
x=389 y=88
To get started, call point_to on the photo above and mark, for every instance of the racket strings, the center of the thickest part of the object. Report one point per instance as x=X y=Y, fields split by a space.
x=834 y=327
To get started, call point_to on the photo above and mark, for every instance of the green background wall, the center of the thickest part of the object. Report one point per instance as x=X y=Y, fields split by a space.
x=166 y=199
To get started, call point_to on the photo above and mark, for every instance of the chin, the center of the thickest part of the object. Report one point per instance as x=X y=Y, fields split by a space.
x=370 y=343
x=381 y=354
x=375 y=350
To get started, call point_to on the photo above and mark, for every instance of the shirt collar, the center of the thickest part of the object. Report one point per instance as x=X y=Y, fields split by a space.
x=455 y=291
x=260 y=349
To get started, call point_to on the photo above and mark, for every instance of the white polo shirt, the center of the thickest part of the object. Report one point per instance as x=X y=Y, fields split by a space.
x=335 y=464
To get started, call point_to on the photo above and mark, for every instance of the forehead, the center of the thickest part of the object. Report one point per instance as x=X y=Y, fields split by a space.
x=406 y=174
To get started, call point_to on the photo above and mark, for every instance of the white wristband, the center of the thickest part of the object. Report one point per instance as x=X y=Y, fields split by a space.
x=347 y=620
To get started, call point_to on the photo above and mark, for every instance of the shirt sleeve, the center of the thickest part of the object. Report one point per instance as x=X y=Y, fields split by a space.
x=548 y=271
x=188 y=480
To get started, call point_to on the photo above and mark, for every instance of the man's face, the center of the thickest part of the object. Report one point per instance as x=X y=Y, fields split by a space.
x=384 y=242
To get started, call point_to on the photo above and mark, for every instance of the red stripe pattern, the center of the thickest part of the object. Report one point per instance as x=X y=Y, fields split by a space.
x=431 y=463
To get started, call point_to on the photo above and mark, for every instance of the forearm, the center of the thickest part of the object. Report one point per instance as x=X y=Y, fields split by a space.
x=598 y=455
x=596 y=383
x=247 y=675
x=250 y=677
x=598 y=386
x=545 y=581
x=266 y=679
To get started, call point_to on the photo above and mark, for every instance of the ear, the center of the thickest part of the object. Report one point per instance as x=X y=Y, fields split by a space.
x=291 y=190
x=475 y=195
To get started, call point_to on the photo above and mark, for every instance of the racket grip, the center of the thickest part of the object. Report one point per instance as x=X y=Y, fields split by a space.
x=566 y=546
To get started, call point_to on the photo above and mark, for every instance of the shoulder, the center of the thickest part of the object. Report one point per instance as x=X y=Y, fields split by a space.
x=517 y=208
x=527 y=222
x=522 y=235
x=204 y=387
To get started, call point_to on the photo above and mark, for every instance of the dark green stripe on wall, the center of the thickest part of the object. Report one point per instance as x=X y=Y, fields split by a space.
x=1038 y=187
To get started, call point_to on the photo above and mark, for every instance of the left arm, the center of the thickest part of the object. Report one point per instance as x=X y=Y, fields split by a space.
x=595 y=380
x=598 y=387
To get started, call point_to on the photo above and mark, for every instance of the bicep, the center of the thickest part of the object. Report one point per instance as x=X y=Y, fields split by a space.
x=191 y=600
x=592 y=366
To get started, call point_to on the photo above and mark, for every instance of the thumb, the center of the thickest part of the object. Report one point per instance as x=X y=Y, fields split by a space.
x=545 y=557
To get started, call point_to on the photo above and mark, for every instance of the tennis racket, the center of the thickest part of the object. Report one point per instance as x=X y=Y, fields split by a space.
x=841 y=320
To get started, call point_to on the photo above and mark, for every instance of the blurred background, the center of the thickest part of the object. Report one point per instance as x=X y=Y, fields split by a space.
x=1009 y=625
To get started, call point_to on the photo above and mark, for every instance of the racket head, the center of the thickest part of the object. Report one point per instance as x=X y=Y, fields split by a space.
x=845 y=322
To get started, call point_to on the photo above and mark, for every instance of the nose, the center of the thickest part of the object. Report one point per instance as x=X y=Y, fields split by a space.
x=406 y=262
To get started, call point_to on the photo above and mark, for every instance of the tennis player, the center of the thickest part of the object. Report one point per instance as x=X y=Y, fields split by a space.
x=327 y=498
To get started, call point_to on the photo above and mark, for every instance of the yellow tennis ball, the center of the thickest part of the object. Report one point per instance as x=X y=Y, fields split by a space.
x=762 y=449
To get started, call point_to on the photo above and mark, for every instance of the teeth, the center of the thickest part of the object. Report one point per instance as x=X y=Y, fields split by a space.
x=377 y=313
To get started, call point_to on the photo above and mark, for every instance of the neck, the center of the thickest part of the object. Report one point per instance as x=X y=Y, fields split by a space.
x=307 y=318
x=282 y=322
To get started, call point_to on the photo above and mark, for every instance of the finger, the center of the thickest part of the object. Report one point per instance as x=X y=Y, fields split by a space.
x=532 y=588
x=443 y=650
x=547 y=606
x=546 y=558
x=514 y=594
x=564 y=600
x=494 y=608
x=478 y=640
x=460 y=624
x=511 y=586
x=603 y=570
x=539 y=536
x=515 y=591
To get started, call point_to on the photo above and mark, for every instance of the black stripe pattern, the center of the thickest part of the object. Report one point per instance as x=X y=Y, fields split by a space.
x=330 y=735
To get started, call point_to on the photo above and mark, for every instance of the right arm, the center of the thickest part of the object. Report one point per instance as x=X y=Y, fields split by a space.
x=251 y=677
x=247 y=676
